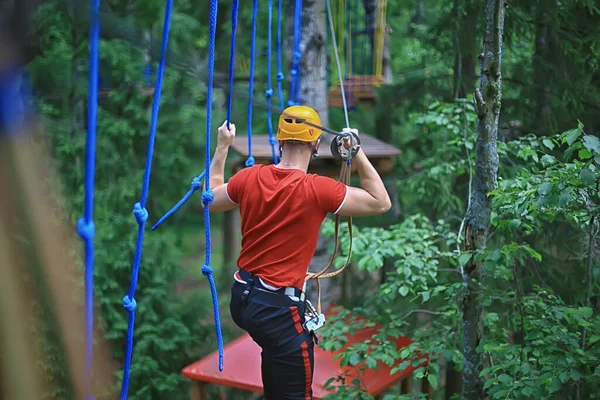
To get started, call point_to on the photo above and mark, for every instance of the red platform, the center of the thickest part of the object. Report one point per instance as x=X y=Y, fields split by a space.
x=242 y=367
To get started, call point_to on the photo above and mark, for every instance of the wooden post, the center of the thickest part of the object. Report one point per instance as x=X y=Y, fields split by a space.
x=426 y=387
x=197 y=391
x=406 y=387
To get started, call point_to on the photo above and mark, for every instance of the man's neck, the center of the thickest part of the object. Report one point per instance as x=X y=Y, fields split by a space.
x=293 y=163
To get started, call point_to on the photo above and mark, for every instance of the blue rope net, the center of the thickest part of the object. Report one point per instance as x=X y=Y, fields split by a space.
x=85 y=226
x=139 y=209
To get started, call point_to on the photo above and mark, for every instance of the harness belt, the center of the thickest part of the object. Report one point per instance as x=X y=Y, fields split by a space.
x=252 y=280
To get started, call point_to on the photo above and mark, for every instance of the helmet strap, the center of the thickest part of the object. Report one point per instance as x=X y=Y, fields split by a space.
x=315 y=153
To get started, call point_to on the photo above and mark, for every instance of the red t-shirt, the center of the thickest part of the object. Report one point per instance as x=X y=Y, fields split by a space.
x=282 y=211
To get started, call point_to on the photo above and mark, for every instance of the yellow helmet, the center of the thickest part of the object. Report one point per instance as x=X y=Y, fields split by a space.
x=292 y=126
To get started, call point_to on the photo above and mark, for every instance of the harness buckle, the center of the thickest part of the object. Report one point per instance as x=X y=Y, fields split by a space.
x=314 y=323
x=247 y=288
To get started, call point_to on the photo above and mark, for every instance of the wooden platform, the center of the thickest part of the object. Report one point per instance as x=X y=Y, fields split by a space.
x=359 y=89
x=381 y=154
x=242 y=368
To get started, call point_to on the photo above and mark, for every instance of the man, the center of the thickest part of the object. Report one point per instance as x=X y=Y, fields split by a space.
x=282 y=209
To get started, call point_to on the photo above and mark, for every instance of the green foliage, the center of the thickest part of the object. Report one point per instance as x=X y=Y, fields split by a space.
x=533 y=332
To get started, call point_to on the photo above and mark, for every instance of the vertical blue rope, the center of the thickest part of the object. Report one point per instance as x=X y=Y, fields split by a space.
x=234 y=20
x=139 y=209
x=207 y=195
x=295 y=71
x=280 y=75
x=250 y=161
x=85 y=226
x=269 y=91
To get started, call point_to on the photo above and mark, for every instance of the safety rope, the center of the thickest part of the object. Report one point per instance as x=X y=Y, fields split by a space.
x=337 y=61
x=295 y=71
x=250 y=160
x=207 y=195
x=85 y=226
x=139 y=209
x=280 y=75
x=269 y=91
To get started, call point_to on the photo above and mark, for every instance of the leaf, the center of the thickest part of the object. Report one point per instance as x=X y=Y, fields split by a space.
x=464 y=258
x=547 y=159
x=403 y=291
x=584 y=154
x=545 y=189
x=433 y=380
x=586 y=312
x=592 y=143
x=354 y=359
x=371 y=362
x=594 y=339
x=426 y=296
x=527 y=391
x=587 y=176
x=575 y=375
x=548 y=143
x=505 y=378
x=556 y=385
x=571 y=136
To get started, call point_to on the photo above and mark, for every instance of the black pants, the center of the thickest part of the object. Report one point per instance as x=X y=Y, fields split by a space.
x=275 y=322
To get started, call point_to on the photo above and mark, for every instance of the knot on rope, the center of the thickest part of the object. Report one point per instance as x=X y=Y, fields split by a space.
x=197 y=183
x=129 y=303
x=272 y=140
x=206 y=270
x=293 y=72
x=250 y=161
x=86 y=230
x=269 y=93
x=280 y=76
x=208 y=197
x=297 y=54
x=140 y=213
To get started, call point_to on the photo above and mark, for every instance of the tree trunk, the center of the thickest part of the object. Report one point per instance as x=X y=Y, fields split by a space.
x=313 y=93
x=477 y=220
x=313 y=62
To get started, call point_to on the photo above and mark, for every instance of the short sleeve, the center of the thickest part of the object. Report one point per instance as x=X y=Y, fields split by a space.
x=331 y=194
x=235 y=185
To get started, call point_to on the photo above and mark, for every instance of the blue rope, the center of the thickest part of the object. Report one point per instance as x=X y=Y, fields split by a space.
x=139 y=209
x=269 y=91
x=250 y=161
x=196 y=185
x=295 y=71
x=85 y=226
x=207 y=195
x=234 y=20
x=280 y=75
